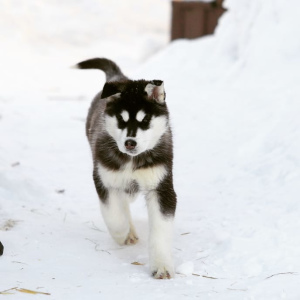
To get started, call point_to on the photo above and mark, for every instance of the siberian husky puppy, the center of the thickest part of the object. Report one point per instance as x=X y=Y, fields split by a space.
x=131 y=141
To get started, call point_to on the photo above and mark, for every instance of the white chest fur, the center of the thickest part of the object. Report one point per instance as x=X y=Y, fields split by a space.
x=147 y=179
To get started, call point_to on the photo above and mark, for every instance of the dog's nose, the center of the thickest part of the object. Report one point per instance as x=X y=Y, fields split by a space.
x=130 y=144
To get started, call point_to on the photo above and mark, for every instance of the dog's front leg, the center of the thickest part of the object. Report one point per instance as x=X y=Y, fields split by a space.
x=116 y=214
x=161 y=232
x=115 y=211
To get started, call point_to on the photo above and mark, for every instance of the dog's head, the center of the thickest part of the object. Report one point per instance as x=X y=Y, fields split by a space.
x=136 y=114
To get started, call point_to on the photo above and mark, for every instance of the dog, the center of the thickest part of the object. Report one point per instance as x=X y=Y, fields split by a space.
x=131 y=141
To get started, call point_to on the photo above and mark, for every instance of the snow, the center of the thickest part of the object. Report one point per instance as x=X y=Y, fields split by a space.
x=234 y=102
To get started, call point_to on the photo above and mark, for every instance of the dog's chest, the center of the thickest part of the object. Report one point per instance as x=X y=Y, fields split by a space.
x=147 y=178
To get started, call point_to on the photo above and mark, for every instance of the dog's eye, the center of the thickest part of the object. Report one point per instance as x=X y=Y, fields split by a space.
x=119 y=118
x=146 y=119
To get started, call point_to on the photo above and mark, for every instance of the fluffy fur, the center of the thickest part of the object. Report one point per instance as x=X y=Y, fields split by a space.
x=131 y=141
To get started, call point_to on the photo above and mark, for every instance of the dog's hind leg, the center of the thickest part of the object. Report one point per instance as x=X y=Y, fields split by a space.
x=116 y=214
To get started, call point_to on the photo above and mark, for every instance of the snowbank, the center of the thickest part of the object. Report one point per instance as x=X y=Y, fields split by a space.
x=253 y=38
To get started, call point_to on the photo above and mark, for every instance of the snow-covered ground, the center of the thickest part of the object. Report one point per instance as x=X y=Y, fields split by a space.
x=234 y=103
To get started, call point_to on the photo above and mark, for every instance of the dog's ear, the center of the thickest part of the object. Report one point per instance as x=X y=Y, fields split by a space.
x=111 y=89
x=156 y=91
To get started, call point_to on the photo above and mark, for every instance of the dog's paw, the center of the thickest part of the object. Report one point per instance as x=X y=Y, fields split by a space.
x=131 y=239
x=125 y=237
x=163 y=273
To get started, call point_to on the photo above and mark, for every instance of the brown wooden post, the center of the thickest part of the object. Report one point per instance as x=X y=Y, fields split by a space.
x=192 y=19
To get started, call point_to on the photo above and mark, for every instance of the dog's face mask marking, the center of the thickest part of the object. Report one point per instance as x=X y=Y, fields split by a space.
x=141 y=115
x=136 y=119
x=125 y=115
x=134 y=137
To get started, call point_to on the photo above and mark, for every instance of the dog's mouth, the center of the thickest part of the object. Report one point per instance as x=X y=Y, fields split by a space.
x=131 y=152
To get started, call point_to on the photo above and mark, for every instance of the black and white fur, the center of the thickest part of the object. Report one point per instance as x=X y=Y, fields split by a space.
x=131 y=141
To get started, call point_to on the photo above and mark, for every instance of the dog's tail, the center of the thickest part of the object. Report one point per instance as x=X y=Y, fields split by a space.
x=111 y=70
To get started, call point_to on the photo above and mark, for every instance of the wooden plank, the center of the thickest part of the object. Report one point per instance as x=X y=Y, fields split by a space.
x=192 y=19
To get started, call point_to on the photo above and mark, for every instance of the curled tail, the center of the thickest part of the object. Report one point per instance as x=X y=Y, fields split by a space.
x=111 y=70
